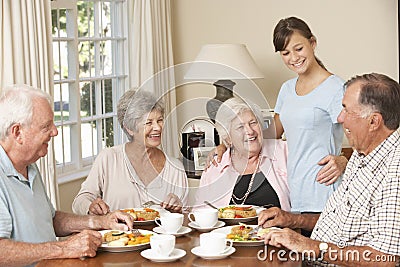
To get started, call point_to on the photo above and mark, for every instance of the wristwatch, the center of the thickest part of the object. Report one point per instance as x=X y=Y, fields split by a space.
x=323 y=248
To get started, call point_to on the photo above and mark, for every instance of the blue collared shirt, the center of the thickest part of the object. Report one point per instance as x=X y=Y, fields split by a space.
x=26 y=213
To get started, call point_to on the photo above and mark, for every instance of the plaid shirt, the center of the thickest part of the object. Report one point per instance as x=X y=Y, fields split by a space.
x=365 y=210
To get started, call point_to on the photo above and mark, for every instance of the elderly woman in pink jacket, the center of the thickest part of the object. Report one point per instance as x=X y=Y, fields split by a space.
x=253 y=169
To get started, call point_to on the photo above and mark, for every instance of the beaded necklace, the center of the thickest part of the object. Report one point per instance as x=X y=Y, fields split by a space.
x=249 y=187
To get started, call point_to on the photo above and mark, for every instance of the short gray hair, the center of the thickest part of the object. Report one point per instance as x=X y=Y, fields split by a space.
x=16 y=104
x=229 y=110
x=133 y=105
x=379 y=93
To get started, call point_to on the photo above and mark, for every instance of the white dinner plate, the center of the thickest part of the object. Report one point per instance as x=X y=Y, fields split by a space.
x=182 y=231
x=153 y=256
x=227 y=230
x=207 y=229
x=105 y=247
x=198 y=252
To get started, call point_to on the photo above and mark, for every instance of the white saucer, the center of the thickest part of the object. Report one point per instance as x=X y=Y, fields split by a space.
x=198 y=252
x=182 y=231
x=151 y=255
x=200 y=229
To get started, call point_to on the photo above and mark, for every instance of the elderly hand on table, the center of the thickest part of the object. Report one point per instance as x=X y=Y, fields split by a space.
x=287 y=238
x=275 y=217
x=83 y=244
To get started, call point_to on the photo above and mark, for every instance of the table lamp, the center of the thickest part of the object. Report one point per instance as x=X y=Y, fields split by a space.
x=220 y=64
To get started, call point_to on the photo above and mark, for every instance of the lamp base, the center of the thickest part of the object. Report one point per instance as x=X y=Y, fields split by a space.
x=224 y=92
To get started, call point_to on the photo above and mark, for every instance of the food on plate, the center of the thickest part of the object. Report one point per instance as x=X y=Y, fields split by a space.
x=263 y=231
x=232 y=212
x=116 y=238
x=113 y=235
x=145 y=214
x=123 y=241
x=242 y=233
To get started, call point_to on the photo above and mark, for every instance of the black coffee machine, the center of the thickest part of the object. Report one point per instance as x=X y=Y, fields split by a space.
x=191 y=140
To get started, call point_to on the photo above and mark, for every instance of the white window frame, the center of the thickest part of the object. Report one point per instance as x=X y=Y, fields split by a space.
x=79 y=167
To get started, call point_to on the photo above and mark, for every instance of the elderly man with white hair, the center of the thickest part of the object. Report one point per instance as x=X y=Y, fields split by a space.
x=29 y=224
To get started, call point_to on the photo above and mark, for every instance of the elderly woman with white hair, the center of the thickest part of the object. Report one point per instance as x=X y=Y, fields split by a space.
x=252 y=170
x=128 y=175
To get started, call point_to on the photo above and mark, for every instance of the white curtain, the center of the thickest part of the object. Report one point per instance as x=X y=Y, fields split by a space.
x=151 y=59
x=26 y=58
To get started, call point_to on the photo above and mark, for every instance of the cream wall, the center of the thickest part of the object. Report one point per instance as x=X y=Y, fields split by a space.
x=67 y=193
x=354 y=37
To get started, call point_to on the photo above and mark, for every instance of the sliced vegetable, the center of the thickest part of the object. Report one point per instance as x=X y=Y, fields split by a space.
x=117 y=233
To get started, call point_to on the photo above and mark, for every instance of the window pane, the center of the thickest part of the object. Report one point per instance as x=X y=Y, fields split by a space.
x=108 y=132
x=59 y=22
x=88 y=99
x=105 y=57
x=89 y=139
x=86 y=59
x=107 y=99
x=85 y=19
x=62 y=145
x=105 y=23
x=60 y=56
x=56 y=61
x=61 y=102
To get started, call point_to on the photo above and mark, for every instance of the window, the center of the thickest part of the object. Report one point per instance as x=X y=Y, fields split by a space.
x=89 y=46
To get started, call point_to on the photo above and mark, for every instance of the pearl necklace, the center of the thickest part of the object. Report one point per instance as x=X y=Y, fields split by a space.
x=249 y=187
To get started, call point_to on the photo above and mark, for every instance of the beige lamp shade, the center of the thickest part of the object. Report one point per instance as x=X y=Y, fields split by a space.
x=223 y=62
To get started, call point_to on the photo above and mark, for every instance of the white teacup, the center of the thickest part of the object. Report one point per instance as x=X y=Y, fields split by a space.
x=163 y=245
x=214 y=243
x=170 y=222
x=205 y=218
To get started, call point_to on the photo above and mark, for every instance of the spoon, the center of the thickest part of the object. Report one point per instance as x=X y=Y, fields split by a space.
x=211 y=205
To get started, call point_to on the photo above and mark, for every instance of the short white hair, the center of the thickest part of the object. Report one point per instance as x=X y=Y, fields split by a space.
x=16 y=106
x=229 y=110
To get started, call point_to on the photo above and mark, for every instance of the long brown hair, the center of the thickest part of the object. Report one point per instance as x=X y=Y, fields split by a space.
x=284 y=30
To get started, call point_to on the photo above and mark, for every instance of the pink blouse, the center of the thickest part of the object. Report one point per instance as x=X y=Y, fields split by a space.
x=217 y=183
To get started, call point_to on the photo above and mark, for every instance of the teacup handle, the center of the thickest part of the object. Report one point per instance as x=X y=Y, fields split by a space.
x=157 y=220
x=190 y=218
x=228 y=247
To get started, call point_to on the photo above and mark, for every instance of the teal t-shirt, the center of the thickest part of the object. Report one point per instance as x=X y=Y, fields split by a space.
x=312 y=132
x=26 y=213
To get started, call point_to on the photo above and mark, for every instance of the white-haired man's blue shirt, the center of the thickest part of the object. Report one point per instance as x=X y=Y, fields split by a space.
x=26 y=213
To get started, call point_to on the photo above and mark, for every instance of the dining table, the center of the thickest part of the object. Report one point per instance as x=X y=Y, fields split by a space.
x=243 y=256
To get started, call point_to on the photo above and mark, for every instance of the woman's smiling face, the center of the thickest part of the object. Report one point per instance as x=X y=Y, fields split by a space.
x=298 y=54
x=150 y=129
x=245 y=134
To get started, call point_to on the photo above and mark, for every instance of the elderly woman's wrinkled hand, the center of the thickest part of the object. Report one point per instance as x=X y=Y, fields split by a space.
x=172 y=203
x=98 y=207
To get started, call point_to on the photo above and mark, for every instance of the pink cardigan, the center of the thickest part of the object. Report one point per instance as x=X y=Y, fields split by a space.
x=217 y=183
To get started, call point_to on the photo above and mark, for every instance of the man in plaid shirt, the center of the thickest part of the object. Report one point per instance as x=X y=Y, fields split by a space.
x=360 y=224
